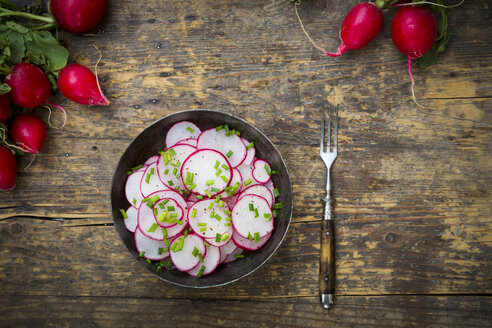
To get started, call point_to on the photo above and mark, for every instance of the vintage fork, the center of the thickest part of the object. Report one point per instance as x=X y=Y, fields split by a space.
x=327 y=244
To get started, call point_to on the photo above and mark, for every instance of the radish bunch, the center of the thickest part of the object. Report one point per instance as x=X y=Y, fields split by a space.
x=202 y=201
x=34 y=66
x=414 y=29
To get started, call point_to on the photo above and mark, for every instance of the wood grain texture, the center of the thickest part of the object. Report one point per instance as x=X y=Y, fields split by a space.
x=413 y=186
x=327 y=258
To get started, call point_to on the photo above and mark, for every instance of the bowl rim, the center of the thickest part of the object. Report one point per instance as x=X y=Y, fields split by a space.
x=143 y=263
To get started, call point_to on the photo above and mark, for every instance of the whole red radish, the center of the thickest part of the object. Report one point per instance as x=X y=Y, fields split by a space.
x=28 y=132
x=8 y=168
x=78 y=16
x=29 y=85
x=4 y=107
x=413 y=31
x=77 y=83
x=360 y=26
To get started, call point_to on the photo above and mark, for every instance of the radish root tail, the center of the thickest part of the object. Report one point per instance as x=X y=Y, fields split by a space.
x=3 y=137
x=413 y=85
x=307 y=34
x=49 y=115
x=428 y=3
x=95 y=73
x=30 y=163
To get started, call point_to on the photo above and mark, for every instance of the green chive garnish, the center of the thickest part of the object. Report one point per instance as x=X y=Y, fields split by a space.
x=209 y=182
x=195 y=251
x=141 y=254
x=178 y=222
x=227 y=212
x=166 y=241
x=185 y=233
x=169 y=263
x=227 y=132
x=257 y=237
x=151 y=171
x=201 y=224
x=171 y=152
x=220 y=127
x=203 y=229
x=161 y=250
x=166 y=171
x=200 y=257
x=274 y=172
x=274 y=213
x=225 y=167
x=199 y=197
x=161 y=205
x=276 y=192
x=164 y=232
x=277 y=206
x=213 y=189
x=208 y=193
x=134 y=201
x=212 y=214
x=216 y=166
x=221 y=203
x=250 y=237
x=162 y=216
x=147 y=178
x=125 y=216
x=193 y=213
x=224 y=178
x=267 y=169
x=247 y=182
x=251 y=145
x=267 y=216
x=217 y=238
x=136 y=167
x=202 y=270
x=228 y=224
x=224 y=236
x=148 y=261
x=228 y=218
x=251 y=207
x=218 y=172
x=210 y=206
x=156 y=211
x=170 y=182
x=217 y=217
x=171 y=208
x=256 y=213
x=175 y=170
x=153 y=227
x=239 y=256
x=229 y=154
x=190 y=129
x=155 y=199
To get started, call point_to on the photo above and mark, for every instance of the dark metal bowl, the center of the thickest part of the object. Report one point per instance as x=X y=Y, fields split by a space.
x=152 y=140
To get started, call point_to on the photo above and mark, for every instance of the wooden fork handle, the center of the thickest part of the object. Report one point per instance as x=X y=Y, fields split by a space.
x=327 y=258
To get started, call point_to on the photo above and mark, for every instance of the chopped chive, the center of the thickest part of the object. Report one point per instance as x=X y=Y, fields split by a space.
x=206 y=244
x=274 y=172
x=220 y=127
x=251 y=145
x=193 y=186
x=257 y=237
x=166 y=171
x=228 y=224
x=202 y=270
x=153 y=227
x=236 y=132
x=193 y=213
x=274 y=213
x=190 y=129
x=125 y=216
x=239 y=256
x=210 y=206
x=221 y=203
x=276 y=193
x=213 y=189
x=180 y=243
x=225 y=167
x=129 y=172
x=200 y=257
x=228 y=218
x=162 y=216
x=192 y=176
x=164 y=232
x=141 y=254
x=267 y=169
x=212 y=214
x=227 y=212
x=166 y=160
x=267 y=216
x=161 y=205
x=216 y=166
x=171 y=152
x=208 y=193
x=217 y=238
x=256 y=213
x=227 y=132
x=174 y=246
x=169 y=263
x=155 y=198
x=195 y=251
x=224 y=178
x=229 y=154
x=136 y=167
x=170 y=182
x=148 y=261
x=250 y=237
x=150 y=204
x=171 y=208
x=175 y=170
x=177 y=164
x=217 y=217
x=185 y=234
x=224 y=236
x=156 y=211
x=178 y=222
x=199 y=197
x=161 y=250
x=251 y=207
x=151 y=171
x=277 y=206
x=203 y=229
x=247 y=182
x=165 y=201
x=218 y=172
x=147 y=178
x=209 y=182
x=134 y=201
x=217 y=199
x=173 y=215
x=201 y=224
x=166 y=241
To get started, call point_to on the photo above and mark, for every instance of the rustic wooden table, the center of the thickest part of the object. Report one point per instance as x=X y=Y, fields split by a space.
x=413 y=186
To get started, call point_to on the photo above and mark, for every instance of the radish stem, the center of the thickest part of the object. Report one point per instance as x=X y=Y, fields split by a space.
x=5 y=12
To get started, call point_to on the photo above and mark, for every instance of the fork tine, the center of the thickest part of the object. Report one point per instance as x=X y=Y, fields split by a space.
x=328 y=147
x=335 y=132
x=322 y=142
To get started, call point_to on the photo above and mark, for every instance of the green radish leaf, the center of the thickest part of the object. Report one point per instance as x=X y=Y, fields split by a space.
x=16 y=27
x=4 y=88
x=16 y=46
x=443 y=37
x=43 y=47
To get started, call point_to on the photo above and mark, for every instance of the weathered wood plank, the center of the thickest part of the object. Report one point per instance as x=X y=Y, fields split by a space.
x=349 y=311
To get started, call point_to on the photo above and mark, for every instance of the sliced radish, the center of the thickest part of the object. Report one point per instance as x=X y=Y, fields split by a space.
x=261 y=191
x=249 y=245
x=219 y=243
x=252 y=217
x=251 y=152
x=132 y=188
x=181 y=251
x=262 y=171
x=131 y=221
x=247 y=175
x=232 y=257
x=150 y=182
x=151 y=249
x=210 y=262
x=231 y=201
x=208 y=219
x=180 y=131
x=230 y=146
x=190 y=141
x=234 y=187
x=270 y=186
x=169 y=170
x=206 y=172
x=167 y=212
x=150 y=160
x=227 y=249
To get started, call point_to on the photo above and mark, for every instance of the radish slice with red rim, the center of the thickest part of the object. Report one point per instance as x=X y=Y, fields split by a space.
x=206 y=172
x=169 y=166
x=227 y=249
x=151 y=249
x=131 y=220
x=235 y=185
x=249 y=245
x=167 y=212
x=232 y=257
x=262 y=171
x=183 y=254
x=190 y=141
x=252 y=217
x=150 y=182
x=210 y=262
x=181 y=131
x=259 y=190
x=247 y=176
x=150 y=160
x=230 y=146
x=208 y=219
x=250 y=153
x=132 y=188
